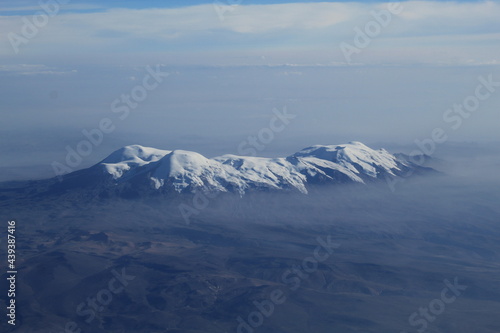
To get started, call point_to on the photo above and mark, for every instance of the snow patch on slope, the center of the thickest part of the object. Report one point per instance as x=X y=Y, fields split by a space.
x=351 y=155
x=273 y=173
x=189 y=169
x=185 y=170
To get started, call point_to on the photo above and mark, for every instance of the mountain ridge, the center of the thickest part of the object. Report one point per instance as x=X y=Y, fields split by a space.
x=187 y=171
x=134 y=171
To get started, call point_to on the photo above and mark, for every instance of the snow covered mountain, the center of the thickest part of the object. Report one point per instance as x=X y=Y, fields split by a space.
x=185 y=171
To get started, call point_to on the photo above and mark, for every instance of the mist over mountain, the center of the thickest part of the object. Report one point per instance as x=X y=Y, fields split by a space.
x=387 y=254
x=137 y=171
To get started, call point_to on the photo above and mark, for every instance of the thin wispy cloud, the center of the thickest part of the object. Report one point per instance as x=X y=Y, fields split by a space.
x=33 y=69
x=31 y=10
x=312 y=30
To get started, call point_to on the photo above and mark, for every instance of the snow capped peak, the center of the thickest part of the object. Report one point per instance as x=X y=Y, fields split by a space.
x=357 y=143
x=183 y=170
x=181 y=161
x=135 y=152
x=186 y=169
x=129 y=158
x=354 y=154
x=330 y=152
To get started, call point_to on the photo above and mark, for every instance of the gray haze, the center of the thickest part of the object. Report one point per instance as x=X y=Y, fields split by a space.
x=211 y=110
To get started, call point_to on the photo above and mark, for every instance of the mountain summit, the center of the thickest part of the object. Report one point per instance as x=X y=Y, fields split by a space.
x=143 y=168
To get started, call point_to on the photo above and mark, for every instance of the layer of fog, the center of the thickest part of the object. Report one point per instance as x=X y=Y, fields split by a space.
x=212 y=110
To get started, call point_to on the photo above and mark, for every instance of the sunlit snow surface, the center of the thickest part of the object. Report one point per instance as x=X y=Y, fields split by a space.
x=183 y=170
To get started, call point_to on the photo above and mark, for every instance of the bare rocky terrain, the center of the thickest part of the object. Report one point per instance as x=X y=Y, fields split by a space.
x=118 y=265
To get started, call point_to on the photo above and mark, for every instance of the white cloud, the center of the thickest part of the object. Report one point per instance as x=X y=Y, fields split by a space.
x=310 y=31
x=469 y=11
x=179 y=22
x=265 y=18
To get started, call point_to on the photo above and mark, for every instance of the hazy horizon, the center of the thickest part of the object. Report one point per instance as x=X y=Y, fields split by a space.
x=383 y=74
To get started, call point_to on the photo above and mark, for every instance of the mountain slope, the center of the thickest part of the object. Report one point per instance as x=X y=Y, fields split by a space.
x=182 y=171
